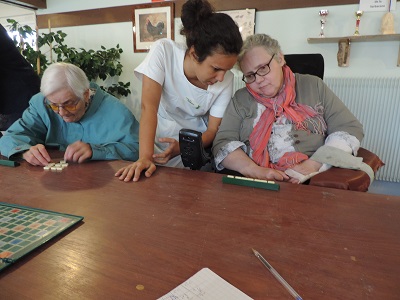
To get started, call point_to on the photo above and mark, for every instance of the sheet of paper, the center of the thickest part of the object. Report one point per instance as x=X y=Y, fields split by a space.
x=205 y=285
x=377 y=5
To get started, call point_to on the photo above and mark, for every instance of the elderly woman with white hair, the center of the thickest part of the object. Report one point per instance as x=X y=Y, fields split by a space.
x=284 y=126
x=76 y=116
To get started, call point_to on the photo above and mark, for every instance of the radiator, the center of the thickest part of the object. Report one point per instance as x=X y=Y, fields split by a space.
x=237 y=80
x=376 y=103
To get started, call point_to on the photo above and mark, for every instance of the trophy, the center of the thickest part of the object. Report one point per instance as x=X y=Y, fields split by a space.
x=323 y=13
x=387 y=24
x=359 y=13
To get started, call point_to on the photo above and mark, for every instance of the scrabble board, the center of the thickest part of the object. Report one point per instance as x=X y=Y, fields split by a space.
x=22 y=229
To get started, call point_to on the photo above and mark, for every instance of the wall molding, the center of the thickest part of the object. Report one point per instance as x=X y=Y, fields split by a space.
x=34 y=4
x=124 y=13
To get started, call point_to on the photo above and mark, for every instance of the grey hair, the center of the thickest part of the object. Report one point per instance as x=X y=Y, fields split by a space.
x=260 y=40
x=59 y=76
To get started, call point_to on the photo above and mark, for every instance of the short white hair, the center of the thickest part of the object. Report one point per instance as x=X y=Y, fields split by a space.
x=260 y=40
x=61 y=75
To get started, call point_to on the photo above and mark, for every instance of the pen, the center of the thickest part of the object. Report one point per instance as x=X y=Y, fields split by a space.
x=9 y=163
x=277 y=276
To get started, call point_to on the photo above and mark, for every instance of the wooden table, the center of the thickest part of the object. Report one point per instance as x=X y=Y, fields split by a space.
x=158 y=232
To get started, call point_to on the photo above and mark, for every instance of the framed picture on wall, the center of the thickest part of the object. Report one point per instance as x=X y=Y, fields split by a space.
x=151 y=22
x=245 y=19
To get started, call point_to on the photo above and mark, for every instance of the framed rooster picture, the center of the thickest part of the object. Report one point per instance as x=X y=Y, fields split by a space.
x=151 y=22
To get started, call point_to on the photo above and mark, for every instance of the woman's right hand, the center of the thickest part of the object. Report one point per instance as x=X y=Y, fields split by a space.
x=262 y=173
x=238 y=161
x=37 y=155
x=132 y=172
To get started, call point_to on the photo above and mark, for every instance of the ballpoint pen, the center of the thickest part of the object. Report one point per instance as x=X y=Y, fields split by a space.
x=277 y=276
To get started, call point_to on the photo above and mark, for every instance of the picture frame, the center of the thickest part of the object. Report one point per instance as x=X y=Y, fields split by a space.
x=151 y=22
x=245 y=19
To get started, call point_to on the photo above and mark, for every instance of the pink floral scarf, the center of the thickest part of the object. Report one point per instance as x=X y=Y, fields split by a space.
x=282 y=104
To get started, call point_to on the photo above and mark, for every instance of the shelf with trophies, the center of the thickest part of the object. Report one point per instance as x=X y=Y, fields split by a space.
x=344 y=42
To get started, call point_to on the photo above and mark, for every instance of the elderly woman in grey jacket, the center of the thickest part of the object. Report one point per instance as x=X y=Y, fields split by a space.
x=283 y=126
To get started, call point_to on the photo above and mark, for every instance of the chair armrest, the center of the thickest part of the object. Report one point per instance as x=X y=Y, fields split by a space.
x=346 y=179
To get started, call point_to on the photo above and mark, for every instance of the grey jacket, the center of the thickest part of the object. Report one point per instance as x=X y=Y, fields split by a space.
x=238 y=121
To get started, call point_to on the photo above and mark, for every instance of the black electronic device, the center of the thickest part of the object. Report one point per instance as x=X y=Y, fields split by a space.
x=193 y=153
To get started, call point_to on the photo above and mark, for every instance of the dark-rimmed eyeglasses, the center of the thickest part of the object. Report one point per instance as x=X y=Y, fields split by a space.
x=56 y=107
x=261 y=71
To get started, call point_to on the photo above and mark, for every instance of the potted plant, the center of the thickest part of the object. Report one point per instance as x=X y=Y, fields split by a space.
x=100 y=64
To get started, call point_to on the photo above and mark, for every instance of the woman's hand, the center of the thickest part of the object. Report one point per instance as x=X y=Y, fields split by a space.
x=78 y=152
x=258 y=172
x=303 y=171
x=169 y=153
x=132 y=172
x=37 y=155
x=238 y=161
x=307 y=167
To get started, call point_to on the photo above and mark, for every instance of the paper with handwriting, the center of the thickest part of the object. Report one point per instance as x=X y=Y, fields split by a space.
x=205 y=285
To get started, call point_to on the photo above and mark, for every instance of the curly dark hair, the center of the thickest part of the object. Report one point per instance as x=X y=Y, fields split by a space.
x=208 y=31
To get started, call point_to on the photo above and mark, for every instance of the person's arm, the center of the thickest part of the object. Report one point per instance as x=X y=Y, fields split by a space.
x=37 y=155
x=229 y=145
x=239 y=161
x=174 y=150
x=344 y=130
x=119 y=138
x=27 y=131
x=151 y=95
x=212 y=128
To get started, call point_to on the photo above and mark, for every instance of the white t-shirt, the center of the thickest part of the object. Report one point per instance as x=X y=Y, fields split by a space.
x=182 y=104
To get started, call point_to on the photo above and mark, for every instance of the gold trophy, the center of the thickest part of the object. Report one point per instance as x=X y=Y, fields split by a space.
x=323 y=13
x=359 y=13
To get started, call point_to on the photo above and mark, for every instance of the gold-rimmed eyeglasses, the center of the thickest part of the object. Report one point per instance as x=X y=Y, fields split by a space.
x=70 y=107
x=261 y=71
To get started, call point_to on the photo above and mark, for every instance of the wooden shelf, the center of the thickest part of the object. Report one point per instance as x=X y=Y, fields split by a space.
x=356 y=38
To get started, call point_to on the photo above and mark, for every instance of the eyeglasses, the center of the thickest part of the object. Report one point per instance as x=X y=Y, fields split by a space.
x=56 y=107
x=261 y=71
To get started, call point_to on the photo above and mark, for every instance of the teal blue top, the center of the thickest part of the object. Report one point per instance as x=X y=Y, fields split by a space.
x=108 y=126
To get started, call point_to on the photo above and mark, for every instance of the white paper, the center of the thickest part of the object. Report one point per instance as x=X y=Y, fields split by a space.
x=245 y=19
x=205 y=285
x=377 y=5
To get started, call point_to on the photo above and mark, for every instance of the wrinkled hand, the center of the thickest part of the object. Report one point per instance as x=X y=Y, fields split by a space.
x=172 y=151
x=262 y=173
x=274 y=175
x=37 y=155
x=307 y=168
x=78 y=152
x=132 y=172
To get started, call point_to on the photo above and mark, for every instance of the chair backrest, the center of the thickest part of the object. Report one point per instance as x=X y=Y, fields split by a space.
x=312 y=64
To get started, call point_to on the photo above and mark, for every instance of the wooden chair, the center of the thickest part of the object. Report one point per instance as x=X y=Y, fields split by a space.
x=339 y=178
x=346 y=179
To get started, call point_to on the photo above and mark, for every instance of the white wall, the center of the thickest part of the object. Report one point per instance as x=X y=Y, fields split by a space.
x=291 y=27
x=21 y=15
